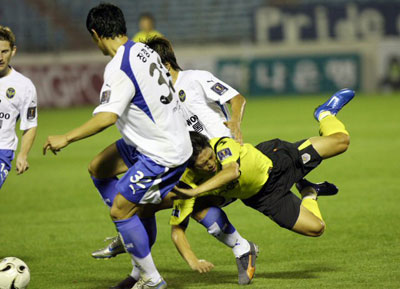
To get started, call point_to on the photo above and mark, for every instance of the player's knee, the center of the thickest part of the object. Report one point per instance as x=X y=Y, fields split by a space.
x=343 y=142
x=117 y=214
x=317 y=229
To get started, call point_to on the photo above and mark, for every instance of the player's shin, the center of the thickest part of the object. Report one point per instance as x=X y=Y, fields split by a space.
x=136 y=242
x=217 y=224
x=106 y=188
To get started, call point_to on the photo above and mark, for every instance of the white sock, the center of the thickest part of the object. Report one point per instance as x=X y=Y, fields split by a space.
x=135 y=274
x=148 y=270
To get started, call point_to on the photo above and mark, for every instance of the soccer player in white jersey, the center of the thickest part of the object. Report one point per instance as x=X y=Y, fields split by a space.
x=137 y=96
x=17 y=100
x=204 y=99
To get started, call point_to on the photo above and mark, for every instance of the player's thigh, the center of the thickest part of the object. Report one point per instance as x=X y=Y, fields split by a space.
x=308 y=224
x=123 y=209
x=149 y=210
x=108 y=163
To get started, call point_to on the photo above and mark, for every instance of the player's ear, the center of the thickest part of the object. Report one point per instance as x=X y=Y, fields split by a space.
x=13 y=51
x=95 y=36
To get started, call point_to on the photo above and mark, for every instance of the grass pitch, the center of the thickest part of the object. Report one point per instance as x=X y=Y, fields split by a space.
x=52 y=216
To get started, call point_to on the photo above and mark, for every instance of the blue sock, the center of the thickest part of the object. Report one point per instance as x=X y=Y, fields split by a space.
x=218 y=225
x=216 y=215
x=106 y=188
x=134 y=236
x=150 y=225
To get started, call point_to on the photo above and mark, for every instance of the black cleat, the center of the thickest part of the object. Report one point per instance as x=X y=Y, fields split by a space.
x=322 y=189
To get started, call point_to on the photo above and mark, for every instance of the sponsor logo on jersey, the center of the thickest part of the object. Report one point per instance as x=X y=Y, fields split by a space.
x=224 y=154
x=182 y=95
x=105 y=97
x=10 y=92
x=31 y=113
x=219 y=88
x=176 y=213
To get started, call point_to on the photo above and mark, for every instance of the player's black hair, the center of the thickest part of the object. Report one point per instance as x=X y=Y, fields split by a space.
x=7 y=35
x=107 y=20
x=163 y=47
x=199 y=142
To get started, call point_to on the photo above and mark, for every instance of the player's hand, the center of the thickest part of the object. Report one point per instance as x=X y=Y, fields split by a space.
x=184 y=193
x=234 y=126
x=55 y=143
x=22 y=164
x=202 y=266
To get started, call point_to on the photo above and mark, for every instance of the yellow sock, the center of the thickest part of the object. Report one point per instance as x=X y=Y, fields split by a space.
x=312 y=206
x=330 y=125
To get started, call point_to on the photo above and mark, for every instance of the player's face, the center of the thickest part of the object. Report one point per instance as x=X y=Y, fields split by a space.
x=146 y=24
x=6 y=53
x=206 y=161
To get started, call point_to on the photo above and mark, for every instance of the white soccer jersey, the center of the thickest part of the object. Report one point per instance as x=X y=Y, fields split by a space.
x=17 y=100
x=138 y=88
x=204 y=97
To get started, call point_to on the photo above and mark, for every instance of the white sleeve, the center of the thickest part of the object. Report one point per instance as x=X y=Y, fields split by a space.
x=116 y=94
x=215 y=89
x=28 y=109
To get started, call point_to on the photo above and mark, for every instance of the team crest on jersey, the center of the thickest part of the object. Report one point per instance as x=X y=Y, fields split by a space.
x=182 y=95
x=31 y=113
x=105 y=97
x=10 y=92
x=219 y=88
x=306 y=158
x=223 y=154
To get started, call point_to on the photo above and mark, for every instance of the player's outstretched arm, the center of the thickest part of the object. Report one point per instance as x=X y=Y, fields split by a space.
x=28 y=137
x=99 y=122
x=238 y=104
x=178 y=236
x=229 y=173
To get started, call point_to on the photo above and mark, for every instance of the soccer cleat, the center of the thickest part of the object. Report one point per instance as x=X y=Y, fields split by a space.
x=113 y=249
x=322 y=189
x=335 y=102
x=247 y=265
x=144 y=284
x=127 y=283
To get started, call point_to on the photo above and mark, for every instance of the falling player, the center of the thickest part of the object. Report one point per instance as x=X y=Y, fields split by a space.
x=262 y=176
x=137 y=96
x=17 y=100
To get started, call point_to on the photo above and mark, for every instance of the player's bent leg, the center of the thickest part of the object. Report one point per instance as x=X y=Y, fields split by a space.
x=332 y=145
x=136 y=241
x=107 y=164
x=334 y=138
x=217 y=224
x=104 y=168
x=308 y=224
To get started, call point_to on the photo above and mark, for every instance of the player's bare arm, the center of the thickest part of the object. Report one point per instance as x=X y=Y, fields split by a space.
x=229 y=173
x=28 y=137
x=178 y=236
x=238 y=104
x=93 y=126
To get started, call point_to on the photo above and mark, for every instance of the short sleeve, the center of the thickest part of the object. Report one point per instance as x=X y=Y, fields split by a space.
x=28 y=109
x=116 y=94
x=227 y=151
x=215 y=89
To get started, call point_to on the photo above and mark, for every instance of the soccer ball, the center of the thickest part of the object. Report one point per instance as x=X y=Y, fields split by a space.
x=14 y=274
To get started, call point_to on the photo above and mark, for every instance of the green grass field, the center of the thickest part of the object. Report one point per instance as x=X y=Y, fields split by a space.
x=52 y=217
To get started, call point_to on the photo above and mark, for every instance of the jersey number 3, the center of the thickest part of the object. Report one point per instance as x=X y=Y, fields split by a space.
x=165 y=99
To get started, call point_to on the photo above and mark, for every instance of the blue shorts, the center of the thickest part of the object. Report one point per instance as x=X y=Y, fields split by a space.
x=145 y=182
x=6 y=157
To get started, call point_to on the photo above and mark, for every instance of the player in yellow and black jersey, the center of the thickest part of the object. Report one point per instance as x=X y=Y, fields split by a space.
x=262 y=176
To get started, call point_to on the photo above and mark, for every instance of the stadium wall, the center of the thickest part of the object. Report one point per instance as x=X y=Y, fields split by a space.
x=74 y=79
